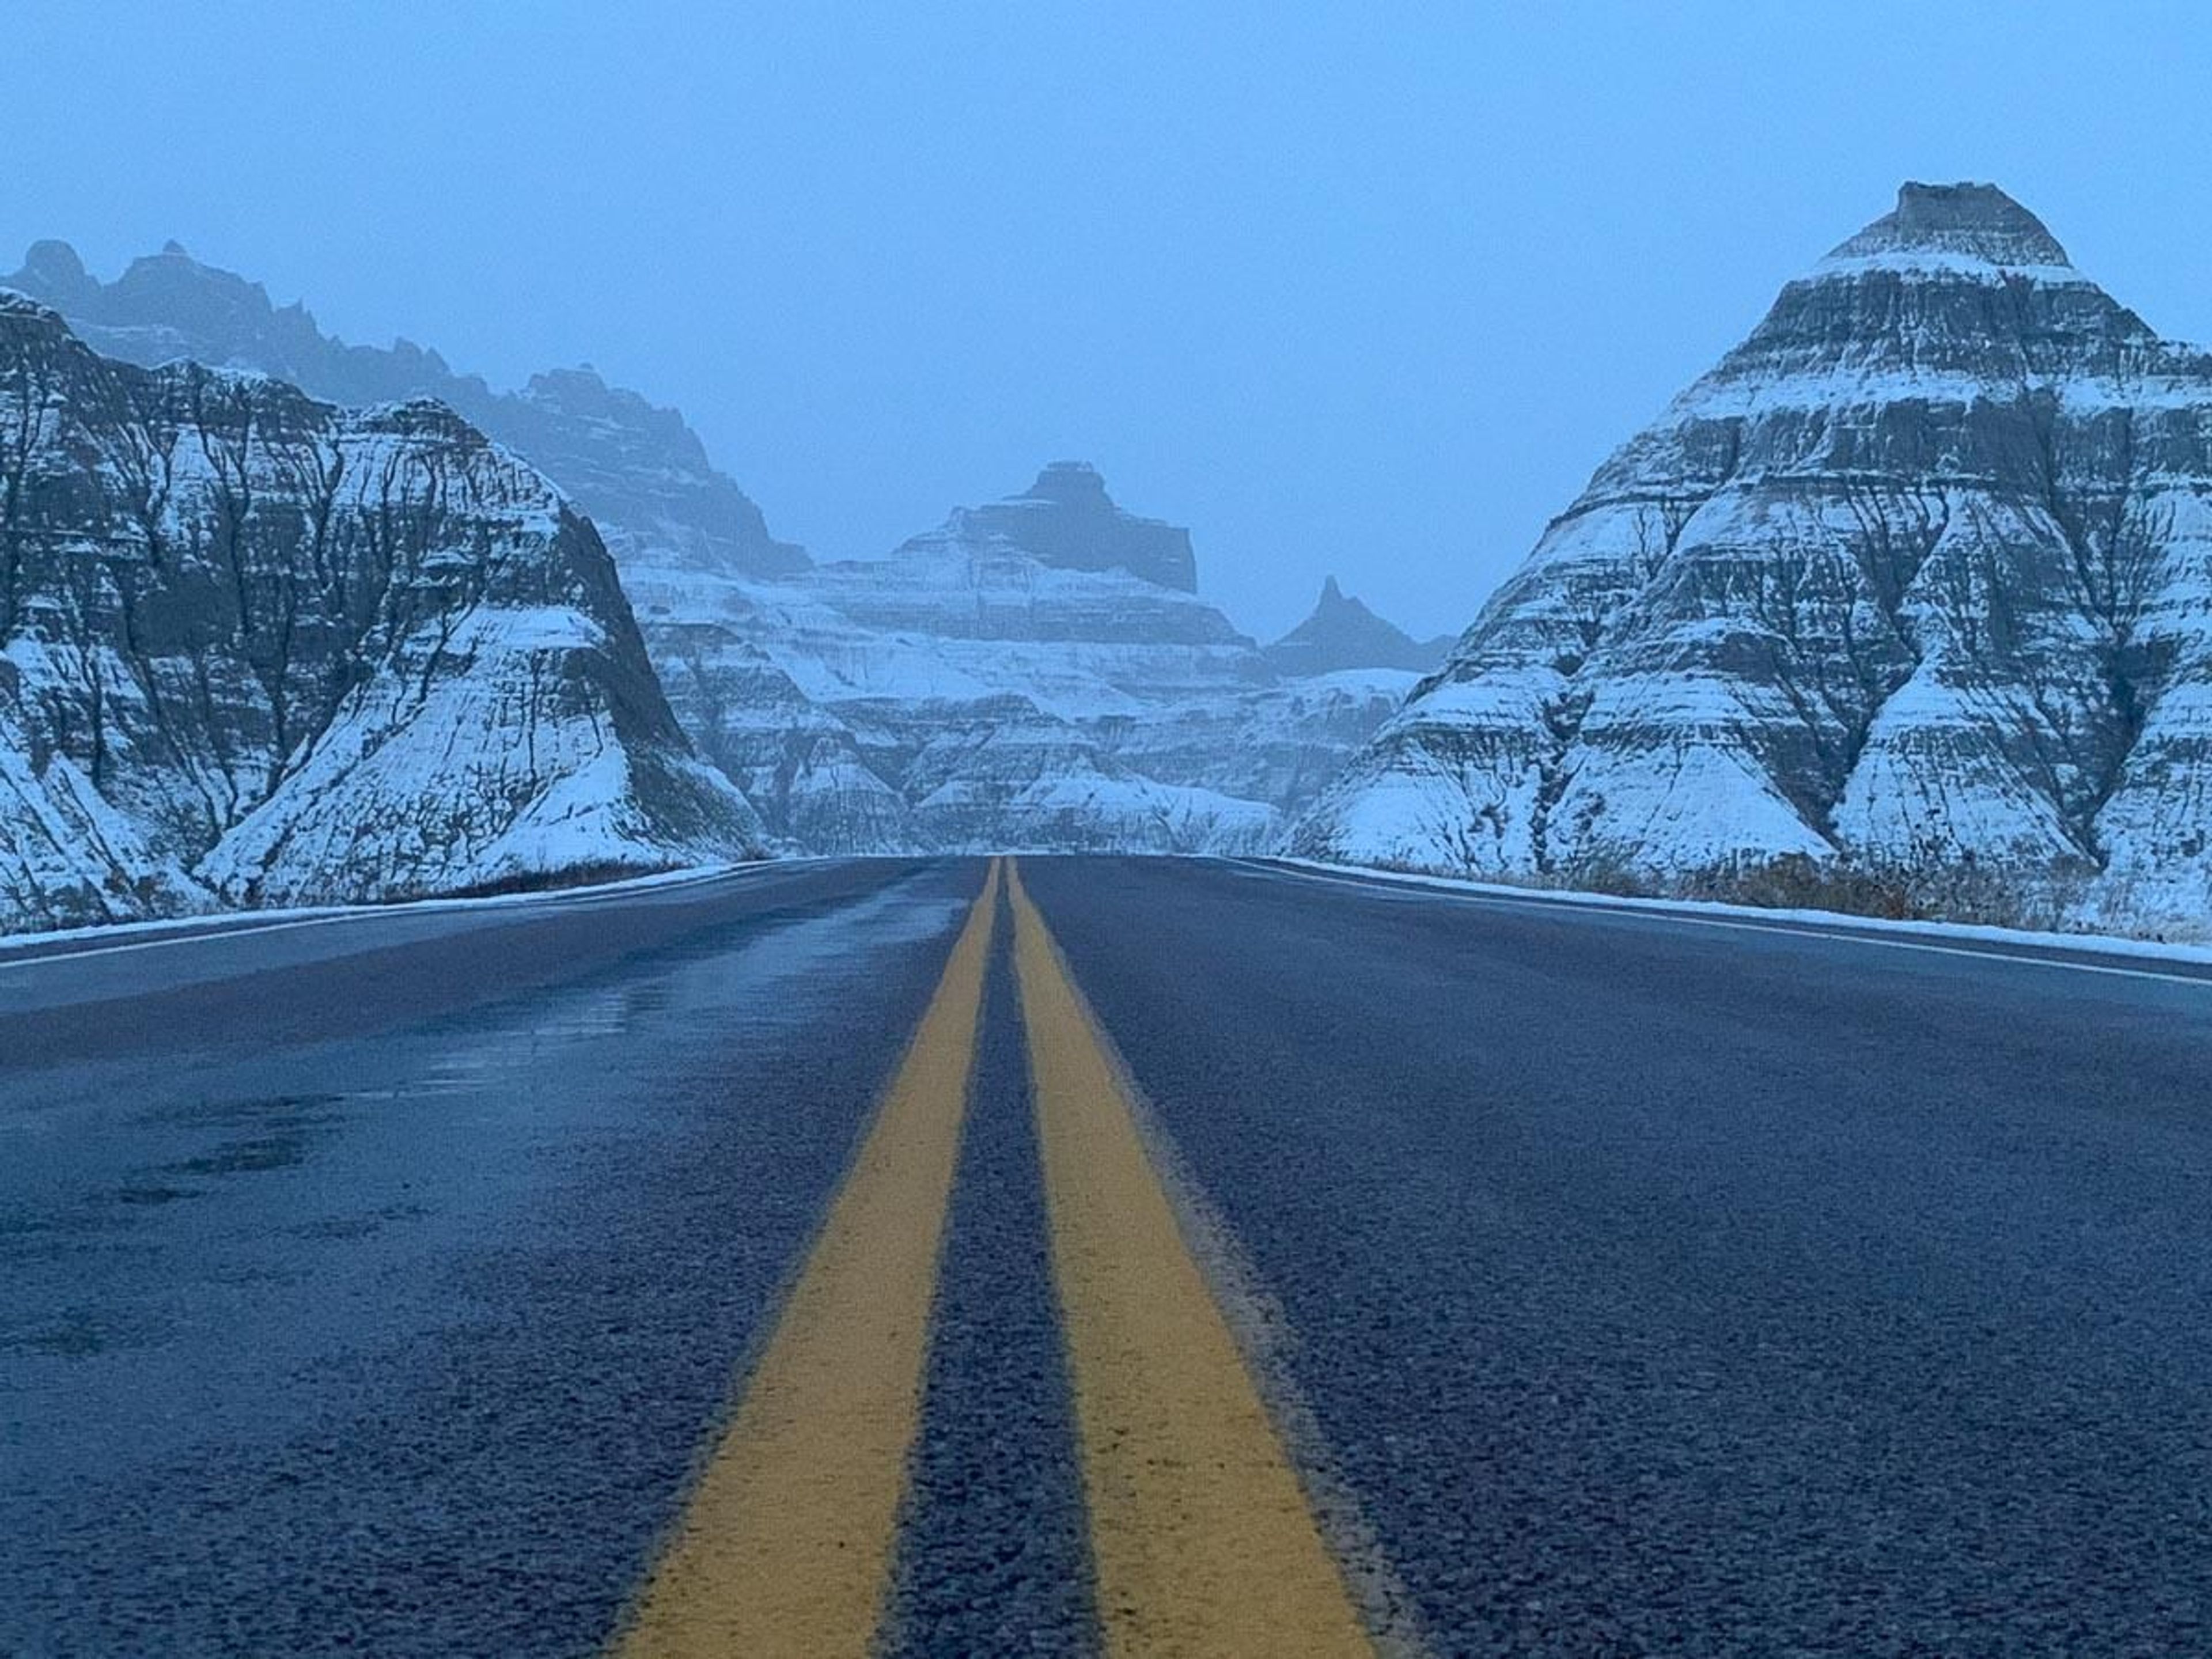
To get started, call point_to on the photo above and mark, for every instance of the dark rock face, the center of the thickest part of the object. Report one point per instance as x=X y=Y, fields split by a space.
x=1038 y=672
x=1067 y=521
x=1343 y=633
x=257 y=649
x=639 y=472
x=1919 y=575
x=52 y=271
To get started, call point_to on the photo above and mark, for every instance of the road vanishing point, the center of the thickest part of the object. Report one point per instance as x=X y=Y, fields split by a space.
x=1075 y=1256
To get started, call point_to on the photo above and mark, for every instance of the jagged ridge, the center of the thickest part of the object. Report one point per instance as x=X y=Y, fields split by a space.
x=997 y=682
x=640 y=472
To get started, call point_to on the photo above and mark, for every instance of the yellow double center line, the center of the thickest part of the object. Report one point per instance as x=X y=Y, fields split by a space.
x=785 y=1546
x=1202 y=1538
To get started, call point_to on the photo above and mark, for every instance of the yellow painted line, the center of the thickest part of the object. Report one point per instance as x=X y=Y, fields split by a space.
x=1202 y=1539
x=785 y=1548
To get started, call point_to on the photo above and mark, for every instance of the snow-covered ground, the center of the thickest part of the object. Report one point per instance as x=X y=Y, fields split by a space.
x=17 y=949
x=967 y=694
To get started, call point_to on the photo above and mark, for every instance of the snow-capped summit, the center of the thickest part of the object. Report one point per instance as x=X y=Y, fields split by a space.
x=1964 y=223
x=1919 y=578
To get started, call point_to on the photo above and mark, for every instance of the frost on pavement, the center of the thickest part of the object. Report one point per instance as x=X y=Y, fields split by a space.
x=254 y=648
x=1919 y=578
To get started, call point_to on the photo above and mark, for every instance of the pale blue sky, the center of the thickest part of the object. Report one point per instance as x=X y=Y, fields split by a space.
x=1366 y=288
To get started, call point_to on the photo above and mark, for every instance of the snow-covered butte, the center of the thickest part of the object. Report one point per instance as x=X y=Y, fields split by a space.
x=258 y=649
x=1919 y=578
x=1035 y=673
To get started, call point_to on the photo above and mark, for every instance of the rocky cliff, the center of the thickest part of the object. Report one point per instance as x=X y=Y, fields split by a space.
x=254 y=648
x=1067 y=521
x=1919 y=578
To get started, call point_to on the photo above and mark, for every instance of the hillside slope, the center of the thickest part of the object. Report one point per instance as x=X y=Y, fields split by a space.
x=1917 y=582
x=257 y=649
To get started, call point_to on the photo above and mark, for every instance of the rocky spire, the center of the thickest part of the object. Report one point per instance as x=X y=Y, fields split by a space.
x=1341 y=632
x=1070 y=484
x=52 y=272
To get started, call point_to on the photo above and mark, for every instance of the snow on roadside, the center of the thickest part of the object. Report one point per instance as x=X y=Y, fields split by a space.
x=1829 y=921
x=214 y=924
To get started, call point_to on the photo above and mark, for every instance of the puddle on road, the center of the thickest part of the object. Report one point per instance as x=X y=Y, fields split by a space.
x=726 y=989
x=187 y=1196
x=279 y=1151
x=257 y=1113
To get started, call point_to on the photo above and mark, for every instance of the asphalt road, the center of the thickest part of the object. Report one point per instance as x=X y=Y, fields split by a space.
x=1282 y=1263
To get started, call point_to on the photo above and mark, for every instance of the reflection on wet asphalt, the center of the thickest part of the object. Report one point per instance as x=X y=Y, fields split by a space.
x=404 y=1342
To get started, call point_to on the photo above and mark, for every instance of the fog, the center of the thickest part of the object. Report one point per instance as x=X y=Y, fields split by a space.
x=1363 y=290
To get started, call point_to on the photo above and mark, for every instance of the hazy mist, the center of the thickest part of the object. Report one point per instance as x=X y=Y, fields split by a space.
x=1331 y=286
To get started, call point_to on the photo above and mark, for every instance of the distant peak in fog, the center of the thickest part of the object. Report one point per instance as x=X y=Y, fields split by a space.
x=1066 y=520
x=1341 y=632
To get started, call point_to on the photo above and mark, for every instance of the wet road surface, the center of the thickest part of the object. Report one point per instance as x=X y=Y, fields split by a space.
x=1169 y=1256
